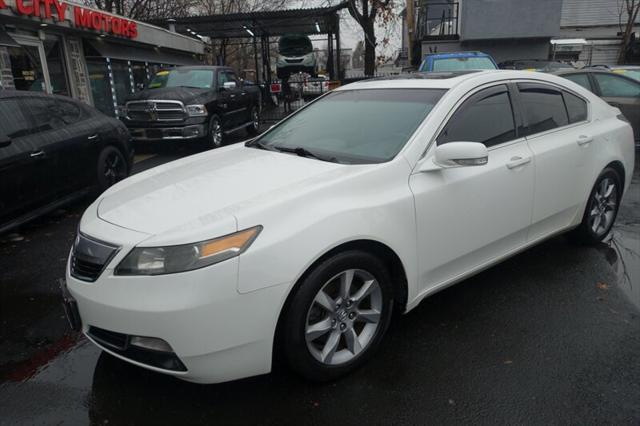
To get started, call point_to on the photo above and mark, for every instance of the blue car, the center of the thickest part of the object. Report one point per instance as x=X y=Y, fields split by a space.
x=457 y=61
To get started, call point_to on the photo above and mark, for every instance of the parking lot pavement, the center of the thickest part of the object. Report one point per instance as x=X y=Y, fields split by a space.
x=551 y=336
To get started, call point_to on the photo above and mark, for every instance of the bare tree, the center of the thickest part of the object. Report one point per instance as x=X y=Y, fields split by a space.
x=144 y=10
x=367 y=14
x=631 y=9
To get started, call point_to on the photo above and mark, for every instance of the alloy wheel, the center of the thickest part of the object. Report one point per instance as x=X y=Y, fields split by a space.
x=255 y=119
x=344 y=317
x=603 y=206
x=114 y=168
x=216 y=134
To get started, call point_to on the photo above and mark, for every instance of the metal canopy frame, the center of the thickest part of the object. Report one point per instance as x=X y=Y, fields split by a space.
x=262 y=25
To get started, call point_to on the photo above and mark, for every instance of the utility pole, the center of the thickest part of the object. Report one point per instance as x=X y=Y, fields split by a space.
x=410 y=22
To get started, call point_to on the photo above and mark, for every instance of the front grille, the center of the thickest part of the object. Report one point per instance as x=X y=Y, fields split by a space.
x=155 y=111
x=89 y=258
x=294 y=61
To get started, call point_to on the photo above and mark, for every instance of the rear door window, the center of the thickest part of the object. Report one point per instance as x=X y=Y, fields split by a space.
x=543 y=108
x=486 y=117
x=576 y=107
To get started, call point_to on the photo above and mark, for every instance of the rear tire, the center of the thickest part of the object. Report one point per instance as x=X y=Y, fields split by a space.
x=332 y=328
x=112 y=167
x=602 y=209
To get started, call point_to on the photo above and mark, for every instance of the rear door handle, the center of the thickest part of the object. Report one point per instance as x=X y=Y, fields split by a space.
x=37 y=154
x=517 y=162
x=584 y=140
x=93 y=137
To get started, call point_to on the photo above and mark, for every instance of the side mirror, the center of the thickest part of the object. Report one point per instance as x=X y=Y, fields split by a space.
x=4 y=140
x=229 y=85
x=457 y=154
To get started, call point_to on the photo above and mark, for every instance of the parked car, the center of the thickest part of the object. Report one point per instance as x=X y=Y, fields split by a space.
x=295 y=54
x=313 y=87
x=53 y=150
x=616 y=89
x=457 y=61
x=304 y=241
x=541 y=65
x=201 y=103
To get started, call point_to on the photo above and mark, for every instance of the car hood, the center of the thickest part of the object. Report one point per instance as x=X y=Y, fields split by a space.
x=182 y=199
x=183 y=94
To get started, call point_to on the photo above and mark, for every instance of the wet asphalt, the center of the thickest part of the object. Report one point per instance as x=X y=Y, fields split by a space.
x=551 y=336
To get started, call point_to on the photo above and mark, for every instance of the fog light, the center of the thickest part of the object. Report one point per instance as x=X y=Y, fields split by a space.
x=191 y=131
x=150 y=343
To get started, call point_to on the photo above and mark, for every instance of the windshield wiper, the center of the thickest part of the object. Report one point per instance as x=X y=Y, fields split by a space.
x=258 y=144
x=304 y=152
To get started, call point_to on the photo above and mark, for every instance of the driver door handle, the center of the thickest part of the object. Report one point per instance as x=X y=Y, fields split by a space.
x=93 y=137
x=517 y=162
x=37 y=154
x=584 y=140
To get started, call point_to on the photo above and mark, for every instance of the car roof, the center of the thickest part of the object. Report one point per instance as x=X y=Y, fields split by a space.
x=443 y=80
x=456 y=55
x=10 y=93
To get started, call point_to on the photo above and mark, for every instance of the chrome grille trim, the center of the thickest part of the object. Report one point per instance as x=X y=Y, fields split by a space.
x=156 y=110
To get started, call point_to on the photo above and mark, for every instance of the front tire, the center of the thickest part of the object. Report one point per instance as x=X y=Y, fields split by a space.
x=338 y=316
x=215 y=134
x=254 y=128
x=602 y=208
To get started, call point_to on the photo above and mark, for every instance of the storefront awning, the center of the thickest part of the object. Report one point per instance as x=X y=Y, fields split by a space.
x=139 y=54
x=6 y=40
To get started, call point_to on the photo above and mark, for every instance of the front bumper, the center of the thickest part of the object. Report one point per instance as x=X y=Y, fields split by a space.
x=168 y=133
x=217 y=333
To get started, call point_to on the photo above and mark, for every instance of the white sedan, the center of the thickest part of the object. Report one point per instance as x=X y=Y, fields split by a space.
x=304 y=241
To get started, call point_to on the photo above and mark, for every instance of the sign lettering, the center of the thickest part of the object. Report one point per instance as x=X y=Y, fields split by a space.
x=82 y=18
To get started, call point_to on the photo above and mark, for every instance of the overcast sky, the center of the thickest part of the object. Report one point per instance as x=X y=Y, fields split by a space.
x=351 y=32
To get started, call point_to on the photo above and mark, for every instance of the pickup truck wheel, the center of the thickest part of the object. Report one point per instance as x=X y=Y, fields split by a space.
x=254 y=127
x=215 y=134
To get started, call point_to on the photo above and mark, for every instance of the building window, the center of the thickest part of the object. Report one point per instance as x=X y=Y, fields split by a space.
x=100 y=85
x=56 y=66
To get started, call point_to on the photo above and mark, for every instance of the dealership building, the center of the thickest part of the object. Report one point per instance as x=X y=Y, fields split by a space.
x=68 y=49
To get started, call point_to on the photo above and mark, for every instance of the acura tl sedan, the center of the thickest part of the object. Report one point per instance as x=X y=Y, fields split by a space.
x=302 y=242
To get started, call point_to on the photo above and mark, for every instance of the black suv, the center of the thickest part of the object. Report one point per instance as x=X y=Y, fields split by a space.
x=202 y=103
x=54 y=149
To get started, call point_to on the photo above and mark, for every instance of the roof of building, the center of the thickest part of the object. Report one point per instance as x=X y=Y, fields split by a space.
x=320 y=20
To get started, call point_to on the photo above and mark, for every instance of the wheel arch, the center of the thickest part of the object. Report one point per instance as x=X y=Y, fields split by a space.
x=619 y=168
x=385 y=253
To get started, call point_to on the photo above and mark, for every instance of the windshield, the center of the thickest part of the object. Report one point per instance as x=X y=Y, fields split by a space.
x=462 y=64
x=354 y=126
x=294 y=45
x=199 y=79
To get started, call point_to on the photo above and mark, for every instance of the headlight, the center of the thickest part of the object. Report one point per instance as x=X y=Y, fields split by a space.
x=187 y=257
x=196 y=110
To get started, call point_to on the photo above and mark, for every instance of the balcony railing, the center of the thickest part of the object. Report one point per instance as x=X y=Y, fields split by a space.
x=438 y=21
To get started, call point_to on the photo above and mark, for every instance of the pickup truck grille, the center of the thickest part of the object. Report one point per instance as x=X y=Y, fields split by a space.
x=156 y=111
